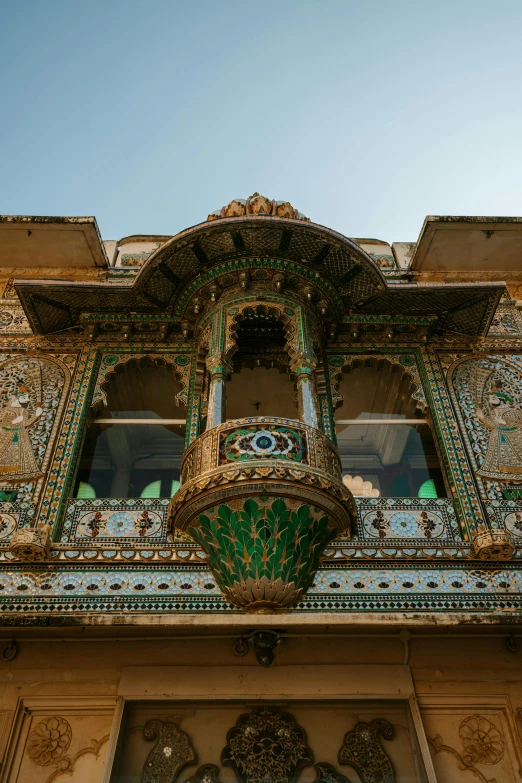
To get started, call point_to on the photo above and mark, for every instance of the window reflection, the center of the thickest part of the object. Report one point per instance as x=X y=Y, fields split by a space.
x=385 y=443
x=141 y=456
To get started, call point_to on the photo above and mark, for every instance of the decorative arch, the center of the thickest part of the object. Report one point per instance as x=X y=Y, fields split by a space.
x=114 y=363
x=286 y=315
x=407 y=363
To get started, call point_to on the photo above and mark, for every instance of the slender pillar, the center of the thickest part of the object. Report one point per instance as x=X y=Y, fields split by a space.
x=307 y=400
x=217 y=397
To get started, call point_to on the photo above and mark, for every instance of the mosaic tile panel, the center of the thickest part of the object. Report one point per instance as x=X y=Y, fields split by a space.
x=507 y=514
x=166 y=589
x=13 y=516
x=407 y=518
x=487 y=391
x=275 y=441
x=32 y=395
x=118 y=520
x=507 y=322
x=13 y=320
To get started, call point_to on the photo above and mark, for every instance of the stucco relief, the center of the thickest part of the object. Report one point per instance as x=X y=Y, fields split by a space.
x=507 y=322
x=13 y=320
x=54 y=747
x=480 y=744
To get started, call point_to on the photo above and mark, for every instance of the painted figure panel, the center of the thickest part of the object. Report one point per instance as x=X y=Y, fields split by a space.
x=488 y=392
x=30 y=398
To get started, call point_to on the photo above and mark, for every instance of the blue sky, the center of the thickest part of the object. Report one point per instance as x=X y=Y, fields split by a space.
x=367 y=116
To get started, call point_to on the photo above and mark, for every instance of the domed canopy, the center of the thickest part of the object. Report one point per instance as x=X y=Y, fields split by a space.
x=250 y=229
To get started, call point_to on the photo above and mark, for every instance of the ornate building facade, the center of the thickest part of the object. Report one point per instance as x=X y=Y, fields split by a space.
x=260 y=502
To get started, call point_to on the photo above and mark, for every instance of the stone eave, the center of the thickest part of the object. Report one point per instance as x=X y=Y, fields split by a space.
x=32 y=242
x=54 y=305
x=463 y=244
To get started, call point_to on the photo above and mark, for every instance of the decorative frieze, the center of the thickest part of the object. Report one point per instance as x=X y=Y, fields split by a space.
x=350 y=587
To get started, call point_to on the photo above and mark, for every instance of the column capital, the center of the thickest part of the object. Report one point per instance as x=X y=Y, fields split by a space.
x=303 y=365
x=218 y=365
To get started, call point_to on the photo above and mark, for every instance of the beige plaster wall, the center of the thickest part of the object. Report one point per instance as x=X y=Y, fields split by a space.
x=79 y=679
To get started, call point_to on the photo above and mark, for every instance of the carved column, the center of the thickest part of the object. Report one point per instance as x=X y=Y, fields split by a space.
x=218 y=368
x=307 y=401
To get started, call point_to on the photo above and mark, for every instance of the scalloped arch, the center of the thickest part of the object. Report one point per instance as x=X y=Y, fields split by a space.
x=410 y=369
x=109 y=369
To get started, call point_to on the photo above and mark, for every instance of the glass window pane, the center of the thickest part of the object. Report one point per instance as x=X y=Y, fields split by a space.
x=390 y=460
x=125 y=460
x=134 y=460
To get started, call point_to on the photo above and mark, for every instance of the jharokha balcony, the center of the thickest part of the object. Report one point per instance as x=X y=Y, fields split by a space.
x=263 y=497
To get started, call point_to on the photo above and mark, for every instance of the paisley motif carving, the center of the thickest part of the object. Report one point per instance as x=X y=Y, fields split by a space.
x=173 y=751
x=208 y=773
x=363 y=751
x=266 y=745
x=326 y=773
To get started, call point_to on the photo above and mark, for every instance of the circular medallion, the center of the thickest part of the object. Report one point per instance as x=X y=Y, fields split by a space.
x=263 y=442
x=404 y=524
x=121 y=523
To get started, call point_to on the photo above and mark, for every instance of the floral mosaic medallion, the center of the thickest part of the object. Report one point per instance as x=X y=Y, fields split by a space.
x=264 y=552
x=249 y=442
x=118 y=524
x=266 y=745
x=8 y=525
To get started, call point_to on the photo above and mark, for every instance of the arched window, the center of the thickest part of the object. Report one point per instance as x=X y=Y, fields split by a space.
x=134 y=445
x=385 y=441
x=260 y=384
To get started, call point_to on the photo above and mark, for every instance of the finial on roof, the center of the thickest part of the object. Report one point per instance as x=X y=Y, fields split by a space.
x=257 y=205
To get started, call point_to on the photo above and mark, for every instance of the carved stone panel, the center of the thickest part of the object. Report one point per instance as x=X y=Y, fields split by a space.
x=266 y=745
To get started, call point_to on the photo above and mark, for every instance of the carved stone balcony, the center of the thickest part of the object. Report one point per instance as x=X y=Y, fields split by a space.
x=263 y=497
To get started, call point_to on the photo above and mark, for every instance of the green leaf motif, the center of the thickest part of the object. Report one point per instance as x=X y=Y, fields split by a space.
x=264 y=537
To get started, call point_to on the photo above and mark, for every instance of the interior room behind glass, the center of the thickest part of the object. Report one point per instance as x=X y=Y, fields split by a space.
x=389 y=459
x=135 y=459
